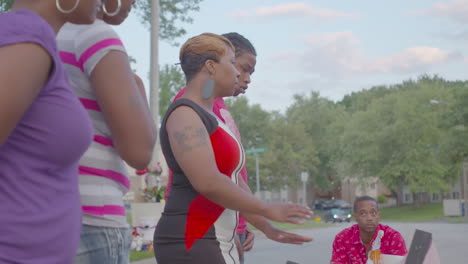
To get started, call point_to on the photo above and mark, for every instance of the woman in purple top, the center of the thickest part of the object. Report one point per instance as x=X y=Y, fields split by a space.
x=44 y=130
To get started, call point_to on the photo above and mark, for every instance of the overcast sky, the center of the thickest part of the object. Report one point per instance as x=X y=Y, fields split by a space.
x=333 y=47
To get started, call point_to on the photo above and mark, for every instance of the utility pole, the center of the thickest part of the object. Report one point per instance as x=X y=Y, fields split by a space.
x=256 y=152
x=257 y=175
x=304 y=179
x=465 y=186
x=154 y=73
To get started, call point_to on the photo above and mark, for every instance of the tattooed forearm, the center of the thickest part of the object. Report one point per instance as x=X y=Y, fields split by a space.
x=191 y=138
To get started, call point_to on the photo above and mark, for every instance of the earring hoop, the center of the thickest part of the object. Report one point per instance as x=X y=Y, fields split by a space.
x=117 y=10
x=57 y=3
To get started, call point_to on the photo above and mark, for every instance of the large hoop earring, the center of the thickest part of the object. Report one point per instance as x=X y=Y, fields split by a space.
x=119 y=5
x=57 y=3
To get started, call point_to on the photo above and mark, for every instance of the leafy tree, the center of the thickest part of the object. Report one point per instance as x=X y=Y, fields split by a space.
x=408 y=135
x=171 y=13
x=319 y=115
x=254 y=125
x=290 y=151
x=5 y=5
x=454 y=120
x=253 y=122
x=171 y=80
x=359 y=101
x=398 y=139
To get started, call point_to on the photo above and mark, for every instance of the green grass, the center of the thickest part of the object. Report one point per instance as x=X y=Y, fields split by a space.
x=410 y=213
x=139 y=255
x=306 y=225
x=129 y=218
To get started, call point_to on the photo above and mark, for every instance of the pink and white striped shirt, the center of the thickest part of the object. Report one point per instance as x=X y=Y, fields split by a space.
x=103 y=174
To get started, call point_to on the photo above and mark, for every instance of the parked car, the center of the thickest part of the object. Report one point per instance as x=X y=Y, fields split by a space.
x=341 y=204
x=337 y=215
x=327 y=204
x=316 y=204
x=322 y=204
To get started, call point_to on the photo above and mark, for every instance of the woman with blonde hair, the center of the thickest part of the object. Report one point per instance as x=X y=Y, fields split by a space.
x=199 y=221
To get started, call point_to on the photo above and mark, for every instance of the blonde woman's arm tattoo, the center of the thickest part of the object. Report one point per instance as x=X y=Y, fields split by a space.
x=191 y=138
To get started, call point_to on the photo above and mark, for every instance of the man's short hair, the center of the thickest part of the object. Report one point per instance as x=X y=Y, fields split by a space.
x=241 y=44
x=363 y=198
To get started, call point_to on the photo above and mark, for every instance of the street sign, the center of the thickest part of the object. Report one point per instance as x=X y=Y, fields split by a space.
x=304 y=176
x=255 y=150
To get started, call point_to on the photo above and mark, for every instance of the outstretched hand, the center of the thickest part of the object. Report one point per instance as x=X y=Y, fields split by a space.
x=249 y=239
x=281 y=236
x=288 y=213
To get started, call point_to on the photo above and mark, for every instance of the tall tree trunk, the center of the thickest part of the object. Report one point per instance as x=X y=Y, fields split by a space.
x=399 y=194
x=417 y=199
x=399 y=191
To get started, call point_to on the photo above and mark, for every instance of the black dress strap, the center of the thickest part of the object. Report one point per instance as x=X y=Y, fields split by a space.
x=208 y=120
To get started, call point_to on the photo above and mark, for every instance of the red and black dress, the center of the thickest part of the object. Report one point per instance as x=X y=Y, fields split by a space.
x=192 y=229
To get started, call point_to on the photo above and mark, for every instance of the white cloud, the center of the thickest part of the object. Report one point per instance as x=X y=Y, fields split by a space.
x=413 y=60
x=455 y=9
x=339 y=54
x=297 y=9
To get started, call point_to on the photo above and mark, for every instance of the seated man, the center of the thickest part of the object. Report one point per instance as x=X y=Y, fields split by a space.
x=352 y=245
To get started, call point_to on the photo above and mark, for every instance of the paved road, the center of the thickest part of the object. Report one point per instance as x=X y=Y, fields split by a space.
x=451 y=241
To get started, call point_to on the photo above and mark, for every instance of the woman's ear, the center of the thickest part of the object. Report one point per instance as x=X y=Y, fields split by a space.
x=211 y=67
